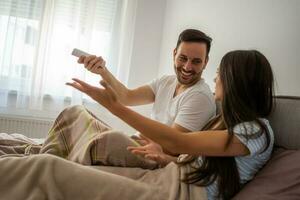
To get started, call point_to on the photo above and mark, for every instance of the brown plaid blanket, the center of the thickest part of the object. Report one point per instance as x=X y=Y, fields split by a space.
x=78 y=136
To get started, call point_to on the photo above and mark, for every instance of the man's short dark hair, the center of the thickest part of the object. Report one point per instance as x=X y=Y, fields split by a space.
x=194 y=35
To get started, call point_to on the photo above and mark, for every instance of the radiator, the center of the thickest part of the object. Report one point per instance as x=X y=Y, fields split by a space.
x=32 y=128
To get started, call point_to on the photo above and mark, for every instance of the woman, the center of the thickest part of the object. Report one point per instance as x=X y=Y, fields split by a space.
x=234 y=145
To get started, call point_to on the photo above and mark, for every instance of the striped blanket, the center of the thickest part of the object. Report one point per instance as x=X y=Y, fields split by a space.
x=83 y=158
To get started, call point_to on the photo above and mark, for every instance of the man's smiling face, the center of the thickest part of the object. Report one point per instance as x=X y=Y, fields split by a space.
x=189 y=61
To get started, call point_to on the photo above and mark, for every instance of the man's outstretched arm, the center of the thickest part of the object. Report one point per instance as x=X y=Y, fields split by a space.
x=129 y=97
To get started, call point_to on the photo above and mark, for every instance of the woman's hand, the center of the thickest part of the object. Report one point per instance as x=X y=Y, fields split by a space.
x=106 y=97
x=151 y=150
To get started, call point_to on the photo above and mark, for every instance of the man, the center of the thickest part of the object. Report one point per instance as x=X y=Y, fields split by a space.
x=182 y=101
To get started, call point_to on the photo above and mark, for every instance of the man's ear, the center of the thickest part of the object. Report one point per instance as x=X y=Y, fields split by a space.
x=206 y=61
x=174 y=53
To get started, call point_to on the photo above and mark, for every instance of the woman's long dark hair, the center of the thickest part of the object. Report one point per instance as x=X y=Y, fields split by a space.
x=247 y=82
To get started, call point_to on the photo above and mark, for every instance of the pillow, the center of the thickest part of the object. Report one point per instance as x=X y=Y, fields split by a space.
x=279 y=178
x=284 y=121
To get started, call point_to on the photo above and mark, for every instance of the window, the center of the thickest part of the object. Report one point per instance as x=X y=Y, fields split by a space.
x=36 y=40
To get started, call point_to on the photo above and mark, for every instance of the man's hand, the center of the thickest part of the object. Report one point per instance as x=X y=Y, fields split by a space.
x=93 y=64
x=106 y=97
x=150 y=150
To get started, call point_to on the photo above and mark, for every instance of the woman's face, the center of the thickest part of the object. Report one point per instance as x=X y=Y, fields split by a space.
x=218 y=87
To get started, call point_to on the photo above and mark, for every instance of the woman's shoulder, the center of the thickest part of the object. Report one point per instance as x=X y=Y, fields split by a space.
x=252 y=127
x=256 y=135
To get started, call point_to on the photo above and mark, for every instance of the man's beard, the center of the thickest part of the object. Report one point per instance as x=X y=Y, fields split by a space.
x=187 y=78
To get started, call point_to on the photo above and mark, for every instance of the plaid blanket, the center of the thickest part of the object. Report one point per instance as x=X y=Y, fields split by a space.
x=79 y=136
x=81 y=139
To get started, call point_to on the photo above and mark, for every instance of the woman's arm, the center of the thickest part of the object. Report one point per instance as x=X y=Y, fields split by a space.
x=208 y=143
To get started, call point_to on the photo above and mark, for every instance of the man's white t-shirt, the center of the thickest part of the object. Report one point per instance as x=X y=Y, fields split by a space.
x=191 y=109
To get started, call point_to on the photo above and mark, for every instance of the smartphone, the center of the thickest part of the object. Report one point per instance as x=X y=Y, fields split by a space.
x=78 y=53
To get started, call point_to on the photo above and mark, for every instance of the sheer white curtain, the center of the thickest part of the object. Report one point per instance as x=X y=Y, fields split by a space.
x=36 y=39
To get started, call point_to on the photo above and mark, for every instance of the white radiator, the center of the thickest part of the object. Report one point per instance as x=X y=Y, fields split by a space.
x=32 y=128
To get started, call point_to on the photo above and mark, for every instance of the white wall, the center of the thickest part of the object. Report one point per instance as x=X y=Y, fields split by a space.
x=270 y=26
x=144 y=61
x=147 y=41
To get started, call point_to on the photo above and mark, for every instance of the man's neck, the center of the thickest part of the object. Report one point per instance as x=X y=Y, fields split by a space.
x=180 y=88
